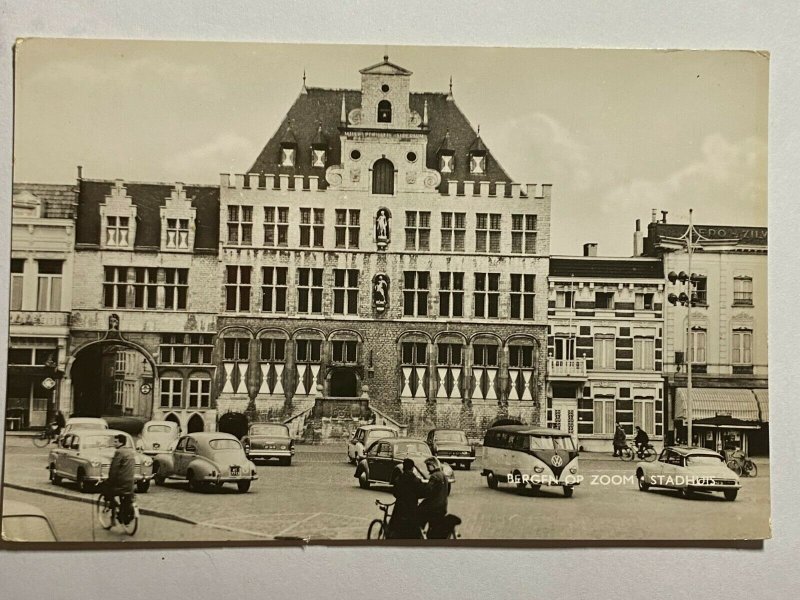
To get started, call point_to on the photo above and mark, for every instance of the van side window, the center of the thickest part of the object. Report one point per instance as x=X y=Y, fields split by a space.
x=488 y=441
x=518 y=442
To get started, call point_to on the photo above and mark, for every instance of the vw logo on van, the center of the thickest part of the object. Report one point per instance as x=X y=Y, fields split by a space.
x=556 y=461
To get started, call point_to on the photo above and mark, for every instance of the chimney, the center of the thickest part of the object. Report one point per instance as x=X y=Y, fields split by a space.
x=638 y=244
x=590 y=249
x=664 y=214
x=653 y=217
x=80 y=172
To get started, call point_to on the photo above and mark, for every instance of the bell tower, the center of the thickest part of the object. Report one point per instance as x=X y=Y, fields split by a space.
x=384 y=97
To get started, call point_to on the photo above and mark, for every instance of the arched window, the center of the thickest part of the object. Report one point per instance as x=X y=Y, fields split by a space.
x=383 y=177
x=384 y=111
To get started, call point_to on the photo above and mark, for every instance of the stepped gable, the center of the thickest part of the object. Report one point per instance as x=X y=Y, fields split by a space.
x=319 y=107
x=607 y=268
x=148 y=199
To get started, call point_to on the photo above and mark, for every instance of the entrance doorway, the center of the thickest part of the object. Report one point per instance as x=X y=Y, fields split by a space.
x=343 y=383
x=565 y=416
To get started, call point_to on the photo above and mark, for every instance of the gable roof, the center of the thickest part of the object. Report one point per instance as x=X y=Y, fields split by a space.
x=607 y=268
x=148 y=198
x=319 y=107
x=385 y=68
x=57 y=200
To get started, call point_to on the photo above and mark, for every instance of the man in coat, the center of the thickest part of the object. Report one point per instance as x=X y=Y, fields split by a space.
x=121 y=476
x=408 y=489
x=619 y=440
x=642 y=439
x=433 y=508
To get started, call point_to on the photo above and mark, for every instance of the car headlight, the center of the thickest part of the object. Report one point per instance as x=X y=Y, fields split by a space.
x=573 y=470
x=95 y=463
x=538 y=469
x=283 y=446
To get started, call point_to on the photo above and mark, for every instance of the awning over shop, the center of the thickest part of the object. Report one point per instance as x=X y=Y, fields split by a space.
x=725 y=422
x=762 y=396
x=708 y=403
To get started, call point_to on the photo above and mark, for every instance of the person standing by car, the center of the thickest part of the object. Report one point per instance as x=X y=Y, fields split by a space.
x=120 y=481
x=408 y=489
x=641 y=440
x=361 y=458
x=619 y=440
x=433 y=508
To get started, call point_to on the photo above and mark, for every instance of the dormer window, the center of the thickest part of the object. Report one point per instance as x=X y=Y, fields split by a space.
x=318 y=157
x=477 y=163
x=117 y=232
x=287 y=156
x=384 y=111
x=319 y=149
x=447 y=162
x=178 y=234
x=178 y=221
x=118 y=219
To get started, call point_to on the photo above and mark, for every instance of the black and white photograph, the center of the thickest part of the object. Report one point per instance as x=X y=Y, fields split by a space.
x=386 y=294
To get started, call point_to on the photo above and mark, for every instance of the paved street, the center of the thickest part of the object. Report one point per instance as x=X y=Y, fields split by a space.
x=318 y=498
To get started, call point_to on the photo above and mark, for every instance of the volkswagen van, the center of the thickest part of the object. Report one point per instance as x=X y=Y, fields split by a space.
x=524 y=455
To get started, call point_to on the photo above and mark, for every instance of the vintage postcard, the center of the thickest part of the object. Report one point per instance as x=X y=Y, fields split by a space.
x=269 y=293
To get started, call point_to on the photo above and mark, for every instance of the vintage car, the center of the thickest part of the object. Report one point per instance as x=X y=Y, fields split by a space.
x=206 y=459
x=385 y=457
x=451 y=446
x=157 y=436
x=24 y=522
x=367 y=434
x=75 y=423
x=265 y=441
x=689 y=470
x=85 y=456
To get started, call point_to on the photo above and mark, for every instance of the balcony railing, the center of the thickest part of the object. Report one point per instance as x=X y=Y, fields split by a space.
x=563 y=367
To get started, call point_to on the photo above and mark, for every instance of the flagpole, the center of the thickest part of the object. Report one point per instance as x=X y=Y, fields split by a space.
x=689 y=341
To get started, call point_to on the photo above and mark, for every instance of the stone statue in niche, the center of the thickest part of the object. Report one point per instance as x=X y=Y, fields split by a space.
x=380 y=292
x=382 y=228
x=113 y=322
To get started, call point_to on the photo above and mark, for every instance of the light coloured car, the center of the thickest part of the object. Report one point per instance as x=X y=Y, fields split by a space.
x=83 y=423
x=24 y=522
x=84 y=456
x=206 y=459
x=158 y=436
x=367 y=434
x=689 y=470
x=265 y=441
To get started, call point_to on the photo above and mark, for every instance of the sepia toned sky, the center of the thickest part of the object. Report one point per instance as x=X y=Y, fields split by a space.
x=617 y=132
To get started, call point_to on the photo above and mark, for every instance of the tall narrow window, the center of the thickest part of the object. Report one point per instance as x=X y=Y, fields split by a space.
x=644 y=354
x=145 y=287
x=384 y=111
x=309 y=291
x=485 y=365
x=276 y=226
x=742 y=347
x=49 y=296
x=115 y=287
x=522 y=296
x=171 y=391
x=644 y=413
x=486 y=297
x=418 y=230
x=415 y=293
x=453 y=231
x=450 y=363
x=308 y=357
x=604 y=415
x=176 y=288
x=347 y=227
x=604 y=352
x=698 y=347
x=117 y=232
x=487 y=232
x=17 y=280
x=312 y=230
x=565 y=299
x=414 y=365
x=240 y=225
x=743 y=291
x=178 y=234
x=451 y=294
x=199 y=391
x=701 y=290
x=273 y=289
x=604 y=300
x=237 y=289
x=383 y=177
x=643 y=301
x=523 y=234
x=521 y=359
x=345 y=291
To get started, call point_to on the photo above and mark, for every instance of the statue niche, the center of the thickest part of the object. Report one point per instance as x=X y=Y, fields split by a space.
x=380 y=292
x=383 y=233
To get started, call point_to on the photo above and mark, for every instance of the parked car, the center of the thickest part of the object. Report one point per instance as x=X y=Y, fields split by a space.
x=689 y=470
x=83 y=423
x=265 y=441
x=24 y=522
x=206 y=459
x=157 y=436
x=84 y=456
x=367 y=434
x=451 y=446
x=385 y=457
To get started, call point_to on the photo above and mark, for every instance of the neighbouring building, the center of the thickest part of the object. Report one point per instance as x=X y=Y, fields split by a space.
x=42 y=240
x=728 y=349
x=604 y=347
x=146 y=293
x=377 y=254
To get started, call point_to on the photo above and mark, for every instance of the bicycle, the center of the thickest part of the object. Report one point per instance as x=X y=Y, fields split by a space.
x=378 y=527
x=626 y=453
x=742 y=465
x=108 y=509
x=45 y=437
x=647 y=453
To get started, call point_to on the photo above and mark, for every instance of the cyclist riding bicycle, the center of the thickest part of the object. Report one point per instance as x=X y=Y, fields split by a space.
x=642 y=440
x=120 y=481
x=405 y=518
x=433 y=509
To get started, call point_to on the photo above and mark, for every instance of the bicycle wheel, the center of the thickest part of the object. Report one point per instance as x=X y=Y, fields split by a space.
x=734 y=466
x=40 y=440
x=104 y=511
x=131 y=527
x=751 y=469
x=627 y=454
x=376 y=530
x=649 y=455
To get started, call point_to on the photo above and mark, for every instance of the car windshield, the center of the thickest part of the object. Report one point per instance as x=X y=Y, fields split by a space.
x=223 y=444
x=27 y=528
x=87 y=426
x=451 y=436
x=550 y=442
x=403 y=448
x=99 y=441
x=380 y=433
x=702 y=459
x=159 y=429
x=276 y=430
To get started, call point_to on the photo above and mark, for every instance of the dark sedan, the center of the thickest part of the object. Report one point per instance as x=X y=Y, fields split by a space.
x=452 y=446
x=385 y=456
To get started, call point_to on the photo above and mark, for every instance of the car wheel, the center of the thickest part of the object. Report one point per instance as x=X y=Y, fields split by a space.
x=193 y=483
x=243 y=486
x=467 y=466
x=518 y=479
x=363 y=481
x=84 y=485
x=142 y=486
x=54 y=479
x=568 y=491
x=536 y=487
x=159 y=479
x=686 y=493
x=730 y=495
x=491 y=480
x=643 y=485
x=286 y=462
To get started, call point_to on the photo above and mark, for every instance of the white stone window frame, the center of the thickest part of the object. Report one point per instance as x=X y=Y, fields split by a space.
x=178 y=209
x=198 y=392
x=118 y=205
x=523 y=233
